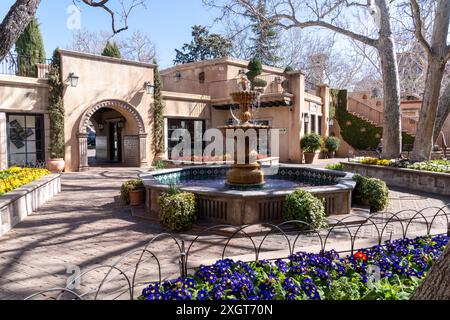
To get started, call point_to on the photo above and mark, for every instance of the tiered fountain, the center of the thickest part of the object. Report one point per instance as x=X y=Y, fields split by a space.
x=248 y=173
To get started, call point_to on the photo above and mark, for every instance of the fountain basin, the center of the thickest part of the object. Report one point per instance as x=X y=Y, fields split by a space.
x=218 y=203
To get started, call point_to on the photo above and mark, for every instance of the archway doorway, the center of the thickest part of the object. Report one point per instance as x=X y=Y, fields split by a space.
x=112 y=133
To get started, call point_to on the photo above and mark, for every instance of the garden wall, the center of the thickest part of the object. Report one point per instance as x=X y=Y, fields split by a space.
x=16 y=205
x=433 y=182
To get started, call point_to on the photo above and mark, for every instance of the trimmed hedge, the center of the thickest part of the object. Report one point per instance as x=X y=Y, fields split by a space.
x=358 y=133
x=178 y=210
x=371 y=191
x=303 y=206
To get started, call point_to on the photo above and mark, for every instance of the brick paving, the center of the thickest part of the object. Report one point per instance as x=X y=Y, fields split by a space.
x=86 y=226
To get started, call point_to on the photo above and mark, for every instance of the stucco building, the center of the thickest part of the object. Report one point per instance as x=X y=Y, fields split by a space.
x=113 y=99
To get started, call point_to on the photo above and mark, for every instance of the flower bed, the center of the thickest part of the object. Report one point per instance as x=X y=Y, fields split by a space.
x=402 y=265
x=432 y=166
x=13 y=178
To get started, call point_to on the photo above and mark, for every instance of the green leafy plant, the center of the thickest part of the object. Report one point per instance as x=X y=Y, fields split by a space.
x=335 y=167
x=345 y=288
x=254 y=69
x=129 y=186
x=332 y=144
x=56 y=108
x=371 y=191
x=178 y=210
x=311 y=142
x=259 y=83
x=303 y=206
x=159 y=165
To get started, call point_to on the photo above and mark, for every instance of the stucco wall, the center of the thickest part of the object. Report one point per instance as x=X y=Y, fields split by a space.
x=104 y=78
x=22 y=95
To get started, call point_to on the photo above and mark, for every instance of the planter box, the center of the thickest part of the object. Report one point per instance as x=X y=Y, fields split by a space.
x=16 y=205
x=426 y=181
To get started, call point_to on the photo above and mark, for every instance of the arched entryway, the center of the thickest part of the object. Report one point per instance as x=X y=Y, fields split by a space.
x=120 y=131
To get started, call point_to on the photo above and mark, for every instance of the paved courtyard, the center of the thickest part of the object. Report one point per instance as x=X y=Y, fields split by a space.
x=86 y=225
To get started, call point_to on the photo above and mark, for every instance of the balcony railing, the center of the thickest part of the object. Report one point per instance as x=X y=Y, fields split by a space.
x=24 y=66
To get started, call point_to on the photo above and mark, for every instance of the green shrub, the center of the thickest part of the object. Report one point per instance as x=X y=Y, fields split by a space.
x=128 y=186
x=259 y=83
x=371 y=191
x=254 y=69
x=159 y=165
x=303 y=206
x=335 y=167
x=311 y=142
x=178 y=210
x=332 y=144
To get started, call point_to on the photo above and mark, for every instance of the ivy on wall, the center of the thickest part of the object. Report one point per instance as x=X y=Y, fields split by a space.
x=158 y=113
x=56 y=107
x=358 y=133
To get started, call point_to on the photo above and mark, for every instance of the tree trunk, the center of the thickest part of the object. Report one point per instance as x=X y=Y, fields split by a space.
x=392 y=137
x=15 y=22
x=437 y=284
x=423 y=143
x=442 y=113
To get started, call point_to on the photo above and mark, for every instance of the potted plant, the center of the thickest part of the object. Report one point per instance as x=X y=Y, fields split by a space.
x=310 y=144
x=55 y=164
x=332 y=144
x=132 y=192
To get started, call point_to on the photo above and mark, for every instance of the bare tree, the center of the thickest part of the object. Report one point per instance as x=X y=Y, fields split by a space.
x=22 y=12
x=333 y=15
x=138 y=46
x=438 y=54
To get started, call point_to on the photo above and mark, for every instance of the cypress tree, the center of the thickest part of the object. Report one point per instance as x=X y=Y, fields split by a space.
x=30 y=50
x=111 y=50
x=265 y=36
x=158 y=113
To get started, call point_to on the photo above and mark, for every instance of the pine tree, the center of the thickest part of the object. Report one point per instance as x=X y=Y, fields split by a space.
x=30 y=50
x=265 y=36
x=111 y=50
x=158 y=113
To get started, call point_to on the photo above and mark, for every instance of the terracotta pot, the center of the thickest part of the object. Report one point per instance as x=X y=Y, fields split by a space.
x=56 y=165
x=160 y=156
x=309 y=157
x=137 y=197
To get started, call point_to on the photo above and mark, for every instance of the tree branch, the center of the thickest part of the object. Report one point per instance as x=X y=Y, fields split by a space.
x=418 y=27
x=15 y=22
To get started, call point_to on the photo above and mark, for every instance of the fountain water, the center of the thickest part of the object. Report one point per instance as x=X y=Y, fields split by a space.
x=246 y=173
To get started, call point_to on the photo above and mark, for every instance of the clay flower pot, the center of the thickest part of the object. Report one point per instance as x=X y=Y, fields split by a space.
x=56 y=165
x=137 y=197
x=309 y=157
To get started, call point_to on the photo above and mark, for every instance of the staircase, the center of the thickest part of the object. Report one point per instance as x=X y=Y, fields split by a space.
x=370 y=114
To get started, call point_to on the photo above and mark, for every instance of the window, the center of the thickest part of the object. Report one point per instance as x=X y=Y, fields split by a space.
x=319 y=125
x=313 y=123
x=195 y=128
x=25 y=139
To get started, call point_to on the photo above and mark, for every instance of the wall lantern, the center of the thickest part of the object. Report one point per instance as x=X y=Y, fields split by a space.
x=177 y=76
x=73 y=79
x=101 y=126
x=149 y=87
x=121 y=124
x=306 y=118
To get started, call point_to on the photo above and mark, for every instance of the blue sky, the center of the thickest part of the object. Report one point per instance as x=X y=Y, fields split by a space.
x=167 y=22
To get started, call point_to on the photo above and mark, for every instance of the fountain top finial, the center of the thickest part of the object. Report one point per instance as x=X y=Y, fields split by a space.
x=244 y=83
